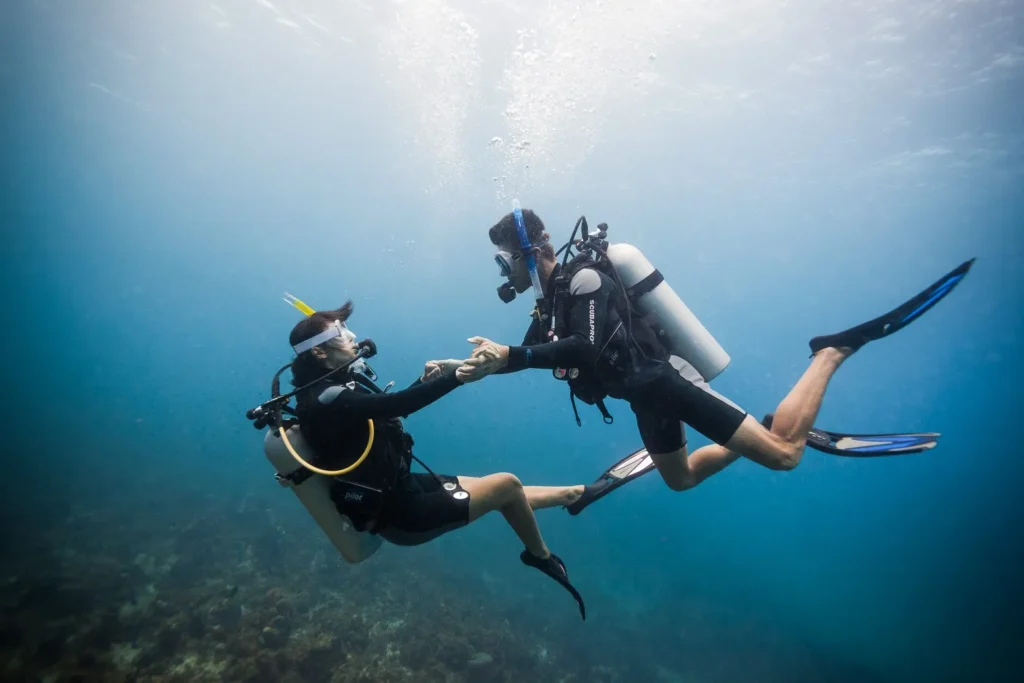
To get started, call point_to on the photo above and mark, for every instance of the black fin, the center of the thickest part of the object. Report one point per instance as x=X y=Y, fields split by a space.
x=634 y=465
x=555 y=568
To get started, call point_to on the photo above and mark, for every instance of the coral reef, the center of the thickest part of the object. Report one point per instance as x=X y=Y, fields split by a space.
x=240 y=595
x=206 y=589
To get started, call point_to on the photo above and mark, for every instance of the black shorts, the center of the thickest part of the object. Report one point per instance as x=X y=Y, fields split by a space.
x=421 y=508
x=677 y=395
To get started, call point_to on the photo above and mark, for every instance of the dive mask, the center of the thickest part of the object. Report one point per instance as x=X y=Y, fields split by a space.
x=336 y=329
x=505 y=261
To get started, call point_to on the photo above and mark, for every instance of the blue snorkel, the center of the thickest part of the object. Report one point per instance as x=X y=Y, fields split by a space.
x=527 y=249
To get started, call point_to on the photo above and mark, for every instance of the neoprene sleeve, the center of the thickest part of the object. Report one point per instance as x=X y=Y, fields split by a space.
x=356 y=405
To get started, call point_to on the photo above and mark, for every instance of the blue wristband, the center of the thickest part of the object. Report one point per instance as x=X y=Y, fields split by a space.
x=529 y=357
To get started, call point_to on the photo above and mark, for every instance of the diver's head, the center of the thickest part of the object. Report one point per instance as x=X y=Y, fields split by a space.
x=509 y=256
x=322 y=342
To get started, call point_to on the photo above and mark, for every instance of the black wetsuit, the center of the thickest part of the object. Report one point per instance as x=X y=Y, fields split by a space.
x=416 y=507
x=663 y=390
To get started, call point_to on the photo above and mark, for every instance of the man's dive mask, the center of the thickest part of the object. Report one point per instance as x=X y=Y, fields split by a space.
x=506 y=261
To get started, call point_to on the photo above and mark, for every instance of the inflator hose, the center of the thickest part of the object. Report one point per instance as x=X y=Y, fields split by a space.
x=328 y=473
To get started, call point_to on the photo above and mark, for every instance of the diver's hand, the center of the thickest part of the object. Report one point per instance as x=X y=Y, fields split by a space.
x=435 y=368
x=477 y=368
x=486 y=359
x=486 y=346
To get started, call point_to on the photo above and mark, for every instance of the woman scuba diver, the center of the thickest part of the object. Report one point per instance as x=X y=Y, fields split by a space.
x=351 y=446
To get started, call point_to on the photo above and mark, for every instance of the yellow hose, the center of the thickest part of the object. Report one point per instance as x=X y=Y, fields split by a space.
x=329 y=473
x=308 y=311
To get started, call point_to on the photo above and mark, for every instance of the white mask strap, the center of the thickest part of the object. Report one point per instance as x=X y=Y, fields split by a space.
x=335 y=330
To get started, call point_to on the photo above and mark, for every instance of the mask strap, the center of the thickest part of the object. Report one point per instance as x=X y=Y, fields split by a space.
x=335 y=330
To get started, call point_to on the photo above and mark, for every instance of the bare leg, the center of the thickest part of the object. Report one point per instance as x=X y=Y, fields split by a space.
x=504 y=492
x=681 y=472
x=783 y=446
x=779 y=449
x=541 y=497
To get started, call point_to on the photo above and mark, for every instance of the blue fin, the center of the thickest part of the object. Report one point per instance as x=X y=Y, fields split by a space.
x=896 y=319
x=866 y=445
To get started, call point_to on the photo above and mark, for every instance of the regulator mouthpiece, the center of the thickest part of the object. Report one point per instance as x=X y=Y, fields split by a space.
x=507 y=292
x=367 y=349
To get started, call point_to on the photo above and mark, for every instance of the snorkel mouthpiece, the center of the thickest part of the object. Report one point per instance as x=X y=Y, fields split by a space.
x=527 y=248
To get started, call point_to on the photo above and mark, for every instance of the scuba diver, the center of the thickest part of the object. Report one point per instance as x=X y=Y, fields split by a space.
x=608 y=324
x=347 y=456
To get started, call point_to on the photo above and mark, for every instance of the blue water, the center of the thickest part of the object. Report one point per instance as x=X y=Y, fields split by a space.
x=792 y=170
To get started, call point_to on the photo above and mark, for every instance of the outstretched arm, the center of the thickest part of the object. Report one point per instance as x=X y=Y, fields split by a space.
x=352 y=405
x=590 y=304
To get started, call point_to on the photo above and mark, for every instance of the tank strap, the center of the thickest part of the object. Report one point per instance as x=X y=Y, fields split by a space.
x=294 y=478
x=560 y=294
x=646 y=285
x=299 y=475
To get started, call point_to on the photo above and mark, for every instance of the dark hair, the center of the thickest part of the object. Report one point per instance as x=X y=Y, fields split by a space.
x=504 y=232
x=306 y=366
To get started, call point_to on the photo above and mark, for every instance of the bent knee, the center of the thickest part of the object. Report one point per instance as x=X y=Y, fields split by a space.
x=681 y=484
x=675 y=470
x=506 y=481
x=787 y=456
x=680 y=481
x=510 y=480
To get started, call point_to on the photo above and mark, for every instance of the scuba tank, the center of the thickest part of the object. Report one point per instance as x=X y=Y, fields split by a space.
x=315 y=493
x=680 y=330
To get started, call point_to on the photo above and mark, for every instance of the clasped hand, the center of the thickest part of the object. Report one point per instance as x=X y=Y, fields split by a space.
x=487 y=358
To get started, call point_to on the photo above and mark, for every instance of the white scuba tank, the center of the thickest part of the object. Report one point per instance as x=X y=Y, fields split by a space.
x=687 y=337
x=314 y=493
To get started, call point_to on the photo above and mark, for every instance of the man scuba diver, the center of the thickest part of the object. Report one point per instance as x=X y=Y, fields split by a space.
x=608 y=324
x=348 y=456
